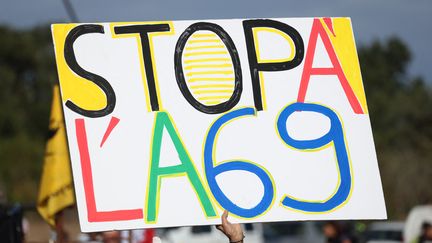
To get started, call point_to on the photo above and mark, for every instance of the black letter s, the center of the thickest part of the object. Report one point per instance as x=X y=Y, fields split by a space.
x=71 y=61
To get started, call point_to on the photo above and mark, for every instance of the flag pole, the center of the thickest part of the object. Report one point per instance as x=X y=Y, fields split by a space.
x=70 y=11
x=59 y=227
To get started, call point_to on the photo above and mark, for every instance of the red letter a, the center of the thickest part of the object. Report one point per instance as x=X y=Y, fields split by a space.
x=308 y=70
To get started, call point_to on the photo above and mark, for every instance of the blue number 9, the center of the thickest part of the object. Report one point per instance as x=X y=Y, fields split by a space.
x=334 y=135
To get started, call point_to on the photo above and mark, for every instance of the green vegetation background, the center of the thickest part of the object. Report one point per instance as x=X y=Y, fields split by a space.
x=399 y=106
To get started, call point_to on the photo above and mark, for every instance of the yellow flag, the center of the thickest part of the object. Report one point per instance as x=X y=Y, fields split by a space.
x=56 y=190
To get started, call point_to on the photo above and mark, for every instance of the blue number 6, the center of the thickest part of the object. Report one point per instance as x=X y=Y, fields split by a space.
x=212 y=170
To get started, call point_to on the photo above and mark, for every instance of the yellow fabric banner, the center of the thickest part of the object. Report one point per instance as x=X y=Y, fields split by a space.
x=56 y=190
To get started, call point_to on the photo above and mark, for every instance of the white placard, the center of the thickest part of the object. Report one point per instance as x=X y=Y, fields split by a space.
x=171 y=122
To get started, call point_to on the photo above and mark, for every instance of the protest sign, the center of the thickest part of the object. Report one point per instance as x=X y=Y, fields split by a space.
x=171 y=122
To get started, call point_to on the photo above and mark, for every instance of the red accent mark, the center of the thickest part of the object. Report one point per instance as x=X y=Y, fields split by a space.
x=113 y=123
x=92 y=214
x=308 y=70
x=329 y=24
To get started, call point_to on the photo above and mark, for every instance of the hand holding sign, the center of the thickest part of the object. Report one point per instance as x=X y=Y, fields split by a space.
x=234 y=232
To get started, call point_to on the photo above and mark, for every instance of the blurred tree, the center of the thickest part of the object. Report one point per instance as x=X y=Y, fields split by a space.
x=399 y=107
x=27 y=73
x=401 y=117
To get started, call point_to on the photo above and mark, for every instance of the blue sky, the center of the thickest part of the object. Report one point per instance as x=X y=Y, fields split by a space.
x=372 y=19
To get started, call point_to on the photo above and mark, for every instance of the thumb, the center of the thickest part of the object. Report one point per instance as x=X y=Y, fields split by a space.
x=225 y=218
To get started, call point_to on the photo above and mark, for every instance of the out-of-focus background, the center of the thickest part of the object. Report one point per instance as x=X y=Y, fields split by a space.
x=394 y=47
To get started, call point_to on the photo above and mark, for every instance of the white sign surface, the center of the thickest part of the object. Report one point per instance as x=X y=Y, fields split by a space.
x=171 y=122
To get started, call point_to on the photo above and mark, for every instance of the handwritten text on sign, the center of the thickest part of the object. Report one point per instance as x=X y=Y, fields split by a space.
x=171 y=122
